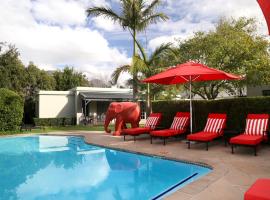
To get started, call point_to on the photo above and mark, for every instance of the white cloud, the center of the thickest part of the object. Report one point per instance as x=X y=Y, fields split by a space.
x=190 y=16
x=154 y=43
x=59 y=12
x=48 y=45
x=53 y=33
x=106 y=24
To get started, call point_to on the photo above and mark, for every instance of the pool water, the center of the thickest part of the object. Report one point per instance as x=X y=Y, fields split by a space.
x=60 y=167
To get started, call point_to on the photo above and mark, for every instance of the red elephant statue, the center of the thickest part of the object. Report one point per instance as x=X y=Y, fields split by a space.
x=123 y=112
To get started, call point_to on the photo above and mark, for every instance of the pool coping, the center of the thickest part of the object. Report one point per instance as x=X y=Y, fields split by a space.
x=144 y=153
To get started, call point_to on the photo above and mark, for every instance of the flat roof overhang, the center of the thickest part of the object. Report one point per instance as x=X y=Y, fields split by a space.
x=97 y=96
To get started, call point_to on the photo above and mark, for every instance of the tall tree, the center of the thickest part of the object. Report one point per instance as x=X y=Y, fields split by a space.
x=146 y=66
x=69 y=78
x=135 y=16
x=233 y=46
x=12 y=74
x=36 y=80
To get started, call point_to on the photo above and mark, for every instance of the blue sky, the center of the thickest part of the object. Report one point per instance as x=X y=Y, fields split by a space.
x=55 y=33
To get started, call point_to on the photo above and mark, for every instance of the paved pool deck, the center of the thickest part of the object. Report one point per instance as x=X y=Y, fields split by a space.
x=232 y=174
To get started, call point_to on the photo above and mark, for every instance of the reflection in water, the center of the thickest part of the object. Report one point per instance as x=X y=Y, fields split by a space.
x=49 y=167
x=43 y=171
x=119 y=161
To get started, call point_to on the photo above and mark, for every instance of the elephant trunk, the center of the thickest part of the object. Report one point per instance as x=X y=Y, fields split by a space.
x=106 y=124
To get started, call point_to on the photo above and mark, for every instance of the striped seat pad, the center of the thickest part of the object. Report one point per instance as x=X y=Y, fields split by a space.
x=179 y=123
x=214 y=125
x=151 y=122
x=256 y=126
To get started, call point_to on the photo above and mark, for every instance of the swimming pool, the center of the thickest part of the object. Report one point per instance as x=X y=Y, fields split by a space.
x=61 y=167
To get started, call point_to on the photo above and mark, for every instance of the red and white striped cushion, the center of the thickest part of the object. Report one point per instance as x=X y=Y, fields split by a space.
x=179 y=123
x=256 y=126
x=214 y=125
x=151 y=122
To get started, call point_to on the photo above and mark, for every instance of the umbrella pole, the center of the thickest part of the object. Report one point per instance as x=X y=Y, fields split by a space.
x=190 y=104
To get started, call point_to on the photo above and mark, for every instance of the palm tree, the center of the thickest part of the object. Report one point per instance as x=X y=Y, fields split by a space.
x=135 y=16
x=144 y=65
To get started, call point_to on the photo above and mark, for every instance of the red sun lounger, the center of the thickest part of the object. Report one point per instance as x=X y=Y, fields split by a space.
x=151 y=123
x=255 y=132
x=179 y=126
x=213 y=129
x=260 y=190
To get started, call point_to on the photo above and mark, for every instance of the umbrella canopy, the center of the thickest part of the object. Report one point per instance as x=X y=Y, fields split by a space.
x=265 y=6
x=190 y=72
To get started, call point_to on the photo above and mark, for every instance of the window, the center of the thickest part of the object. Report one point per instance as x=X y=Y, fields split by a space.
x=266 y=92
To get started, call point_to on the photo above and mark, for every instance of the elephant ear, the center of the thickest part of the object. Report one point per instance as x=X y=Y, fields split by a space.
x=118 y=108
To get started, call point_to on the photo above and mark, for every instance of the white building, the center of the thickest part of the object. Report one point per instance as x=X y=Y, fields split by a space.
x=82 y=103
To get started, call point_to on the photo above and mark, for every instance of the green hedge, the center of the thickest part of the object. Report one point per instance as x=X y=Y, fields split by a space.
x=54 y=121
x=11 y=110
x=236 y=109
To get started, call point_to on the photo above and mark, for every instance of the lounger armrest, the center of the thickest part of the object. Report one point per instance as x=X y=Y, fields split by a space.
x=160 y=127
x=153 y=127
x=220 y=130
x=266 y=133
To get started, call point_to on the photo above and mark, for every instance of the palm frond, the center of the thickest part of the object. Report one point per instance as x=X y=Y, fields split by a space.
x=138 y=65
x=152 y=19
x=118 y=71
x=150 y=9
x=105 y=12
x=163 y=48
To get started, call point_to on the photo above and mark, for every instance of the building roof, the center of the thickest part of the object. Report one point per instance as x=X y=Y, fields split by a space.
x=105 y=96
x=97 y=89
x=92 y=90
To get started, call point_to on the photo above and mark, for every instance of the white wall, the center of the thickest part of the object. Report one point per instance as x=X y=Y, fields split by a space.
x=54 y=104
x=257 y=90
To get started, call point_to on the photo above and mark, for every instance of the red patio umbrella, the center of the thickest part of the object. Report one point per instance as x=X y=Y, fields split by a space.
x=190 y=72
x=265 y=6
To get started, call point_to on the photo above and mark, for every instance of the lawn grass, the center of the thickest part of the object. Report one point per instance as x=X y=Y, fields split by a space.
x=59 y=128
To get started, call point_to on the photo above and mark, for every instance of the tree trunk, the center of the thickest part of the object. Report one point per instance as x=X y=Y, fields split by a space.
x=148 y=101
x=135 y=84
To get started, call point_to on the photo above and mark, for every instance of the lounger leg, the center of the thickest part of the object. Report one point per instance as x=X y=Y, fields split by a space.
x=232 y=148
x=164 y=141
x=151 y=139
x=188 y=144
x=206 y=146
x=124 y=137
x=134 y=138
x=255 y=150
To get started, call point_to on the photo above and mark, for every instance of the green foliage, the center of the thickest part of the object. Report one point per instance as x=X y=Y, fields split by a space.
x=233 y=46
x=36 y=80
x=12 y=74
x=69 y=78
x=54 y=121
x=11 y=110
x=236 y=109
x=144 y=65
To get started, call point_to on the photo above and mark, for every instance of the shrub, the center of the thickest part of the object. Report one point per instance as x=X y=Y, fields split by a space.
x=11 y=110
x=236 y=109
x=54 y=121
